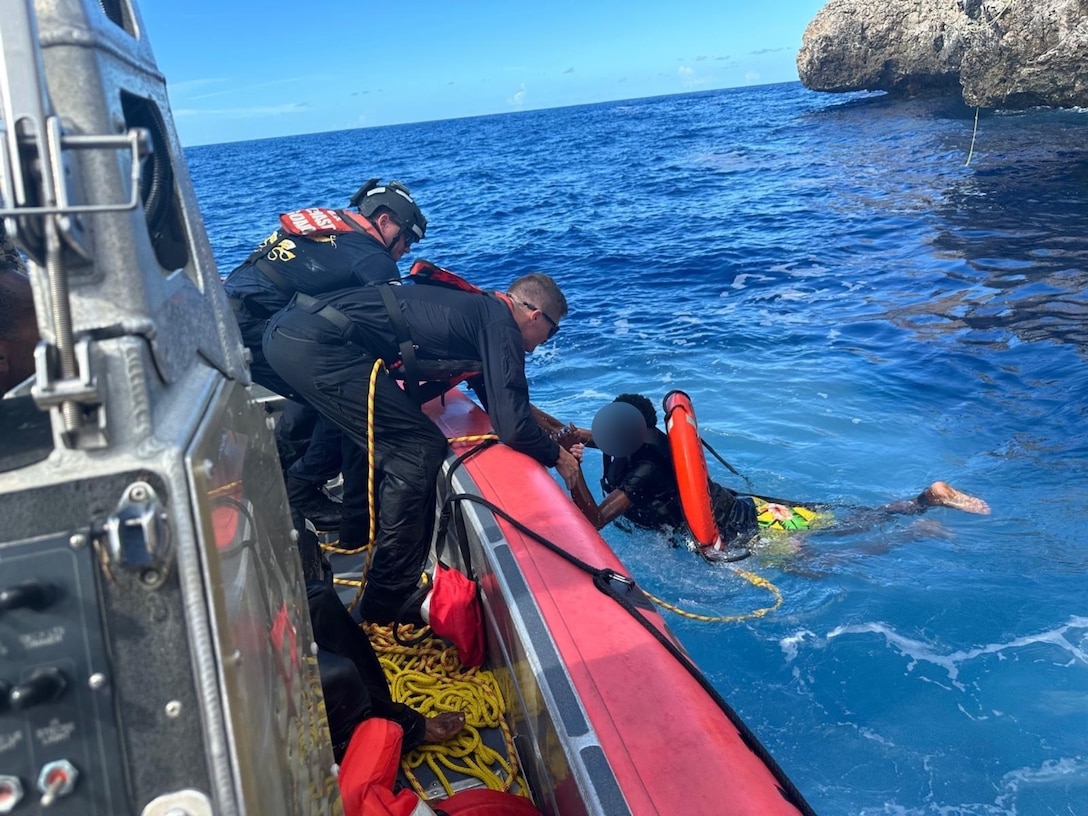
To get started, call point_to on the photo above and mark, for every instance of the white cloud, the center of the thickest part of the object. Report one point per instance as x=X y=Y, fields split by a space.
x=692 y=79
x=518 y=99
x=256 y=110
x=191 y=86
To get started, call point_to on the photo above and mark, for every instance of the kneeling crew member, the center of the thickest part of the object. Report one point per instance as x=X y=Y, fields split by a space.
x=326 y=349
x=315 y=251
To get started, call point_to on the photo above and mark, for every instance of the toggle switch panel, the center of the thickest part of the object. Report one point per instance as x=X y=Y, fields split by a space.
x=57 y=712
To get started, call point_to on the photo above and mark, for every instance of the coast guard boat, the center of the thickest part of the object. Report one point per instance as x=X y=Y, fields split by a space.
x=155 y=647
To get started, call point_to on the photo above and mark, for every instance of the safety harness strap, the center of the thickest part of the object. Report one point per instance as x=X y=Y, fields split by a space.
x=265 y=266
x=404 y=340
x=323 y=310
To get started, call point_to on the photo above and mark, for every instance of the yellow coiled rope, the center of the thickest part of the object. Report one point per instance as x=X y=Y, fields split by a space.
x=429 y=678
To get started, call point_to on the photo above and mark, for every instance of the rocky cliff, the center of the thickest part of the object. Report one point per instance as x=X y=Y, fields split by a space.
x=997 y=53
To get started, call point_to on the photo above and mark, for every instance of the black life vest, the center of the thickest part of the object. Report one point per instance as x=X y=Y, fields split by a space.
x=439 y=376
x=659 y=502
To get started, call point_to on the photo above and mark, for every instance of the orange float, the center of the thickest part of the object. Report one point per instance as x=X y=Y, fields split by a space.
x=689 y=463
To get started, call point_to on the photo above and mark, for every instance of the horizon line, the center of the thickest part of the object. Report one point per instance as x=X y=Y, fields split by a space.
x=488 y=115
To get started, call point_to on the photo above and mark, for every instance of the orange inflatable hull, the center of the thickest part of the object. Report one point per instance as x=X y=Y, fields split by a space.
x=617 y=725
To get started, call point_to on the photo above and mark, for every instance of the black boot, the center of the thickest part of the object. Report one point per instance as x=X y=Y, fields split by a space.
x=313 y=503
x=382 y=606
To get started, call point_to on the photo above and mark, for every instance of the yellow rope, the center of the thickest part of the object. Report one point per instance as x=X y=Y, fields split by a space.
x=753 y=579
x=371 y=388
x=429 y=678
x=372 y=531
x=224 y=490
x=453 y=440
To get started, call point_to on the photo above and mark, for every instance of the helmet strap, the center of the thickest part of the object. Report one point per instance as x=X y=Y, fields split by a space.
x=396 y=235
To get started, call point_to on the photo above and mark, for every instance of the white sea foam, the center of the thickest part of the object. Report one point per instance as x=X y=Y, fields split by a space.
x=792 y=644
x=1069 y=637
x=1064 y=772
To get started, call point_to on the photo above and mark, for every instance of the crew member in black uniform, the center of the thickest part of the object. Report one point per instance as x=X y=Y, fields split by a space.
x=326 y=348
x=316 y=251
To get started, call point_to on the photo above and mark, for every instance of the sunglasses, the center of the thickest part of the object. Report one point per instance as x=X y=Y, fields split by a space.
x=405 y=234
x=554 y=330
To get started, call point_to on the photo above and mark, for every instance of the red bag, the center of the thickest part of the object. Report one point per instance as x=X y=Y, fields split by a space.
x=485 y=803
x=454 y=613
x=369 y=770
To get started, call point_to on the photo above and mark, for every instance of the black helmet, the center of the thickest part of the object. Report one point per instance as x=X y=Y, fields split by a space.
x=619 y=429
x=394 y=196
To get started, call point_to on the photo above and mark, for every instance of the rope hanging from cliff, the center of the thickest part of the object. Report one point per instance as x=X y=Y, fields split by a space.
x=974 y=133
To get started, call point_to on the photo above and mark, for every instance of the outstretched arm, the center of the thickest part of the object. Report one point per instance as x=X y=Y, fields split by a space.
x=565 y=435
x=546 y=420
x=614 y=505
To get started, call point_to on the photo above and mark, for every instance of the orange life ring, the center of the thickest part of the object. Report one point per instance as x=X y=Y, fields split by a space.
x=690 y=466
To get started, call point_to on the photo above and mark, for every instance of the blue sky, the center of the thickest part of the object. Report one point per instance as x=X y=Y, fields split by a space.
x=242 y=69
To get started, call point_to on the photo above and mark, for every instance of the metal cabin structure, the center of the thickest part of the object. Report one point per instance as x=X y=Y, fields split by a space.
x=155 y=647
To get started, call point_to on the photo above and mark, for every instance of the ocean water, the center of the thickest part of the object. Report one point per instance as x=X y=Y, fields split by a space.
x=855 y=313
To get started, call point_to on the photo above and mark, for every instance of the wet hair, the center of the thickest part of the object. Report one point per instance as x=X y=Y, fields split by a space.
x=540 y=290
x=645 y=407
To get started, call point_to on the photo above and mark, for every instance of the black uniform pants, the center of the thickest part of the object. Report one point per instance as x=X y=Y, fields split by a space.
x=332 y=374
x=309 y=445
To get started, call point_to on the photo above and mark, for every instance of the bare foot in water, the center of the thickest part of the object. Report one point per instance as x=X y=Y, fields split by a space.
x=444 y=726
x=942 y=494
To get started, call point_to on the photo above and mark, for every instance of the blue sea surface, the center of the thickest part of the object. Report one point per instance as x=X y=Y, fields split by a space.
x=855 y=313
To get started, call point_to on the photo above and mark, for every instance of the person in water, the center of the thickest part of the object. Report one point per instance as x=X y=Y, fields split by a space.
x=640 y=484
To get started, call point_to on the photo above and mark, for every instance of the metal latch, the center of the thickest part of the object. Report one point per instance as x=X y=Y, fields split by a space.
x=138 y=535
